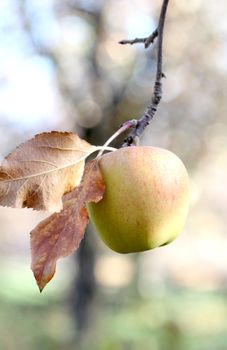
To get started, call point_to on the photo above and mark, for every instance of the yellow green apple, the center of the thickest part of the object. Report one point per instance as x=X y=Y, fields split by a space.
x=145 y=203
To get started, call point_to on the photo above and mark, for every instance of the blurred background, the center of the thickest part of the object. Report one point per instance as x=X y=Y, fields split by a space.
x=61 y=68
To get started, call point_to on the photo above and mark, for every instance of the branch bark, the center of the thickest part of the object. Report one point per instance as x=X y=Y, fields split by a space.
x=151 y=109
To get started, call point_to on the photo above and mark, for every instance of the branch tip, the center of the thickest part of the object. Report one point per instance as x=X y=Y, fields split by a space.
x=147 y=41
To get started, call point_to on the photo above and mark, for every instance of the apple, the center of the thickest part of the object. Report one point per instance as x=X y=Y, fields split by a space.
x=146 y=200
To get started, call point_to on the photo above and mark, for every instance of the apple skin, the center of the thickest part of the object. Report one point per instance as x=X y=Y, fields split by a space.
x=146 y=200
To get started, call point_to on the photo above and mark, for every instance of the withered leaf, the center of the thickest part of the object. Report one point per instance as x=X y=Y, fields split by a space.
x=38 y=172
x=60 y=234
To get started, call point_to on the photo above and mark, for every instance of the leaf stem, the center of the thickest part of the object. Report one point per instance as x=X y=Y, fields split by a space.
x=125 y=126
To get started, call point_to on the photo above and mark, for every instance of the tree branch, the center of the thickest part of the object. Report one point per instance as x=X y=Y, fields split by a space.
x=146 y=41
x=157 y=94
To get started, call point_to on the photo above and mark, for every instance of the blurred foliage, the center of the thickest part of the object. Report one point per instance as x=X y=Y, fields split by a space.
x=61 y=67
x=178 y=320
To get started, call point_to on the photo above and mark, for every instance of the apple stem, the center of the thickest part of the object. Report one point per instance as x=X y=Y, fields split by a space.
x=151 y=109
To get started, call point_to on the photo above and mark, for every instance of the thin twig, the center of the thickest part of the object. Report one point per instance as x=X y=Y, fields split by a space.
x=157 y=94
x=146 y=41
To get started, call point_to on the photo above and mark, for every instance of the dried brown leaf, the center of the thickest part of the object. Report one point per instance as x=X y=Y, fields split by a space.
x=38 y=172
x=60 y=234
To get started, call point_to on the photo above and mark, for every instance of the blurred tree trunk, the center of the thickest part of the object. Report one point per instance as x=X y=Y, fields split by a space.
x=84 y=286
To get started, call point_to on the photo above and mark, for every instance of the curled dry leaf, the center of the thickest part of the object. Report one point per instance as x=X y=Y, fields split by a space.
x=60 y=234
x=38 y=172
